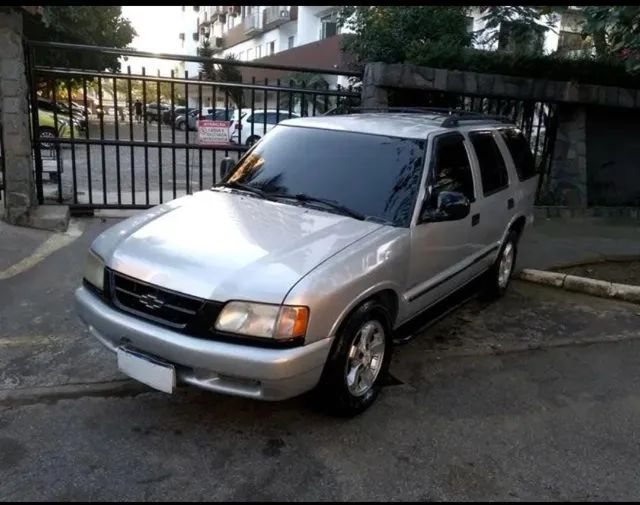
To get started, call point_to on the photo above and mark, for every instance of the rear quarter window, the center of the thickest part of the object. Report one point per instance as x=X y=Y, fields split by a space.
x=493 y=170
x=520 y=152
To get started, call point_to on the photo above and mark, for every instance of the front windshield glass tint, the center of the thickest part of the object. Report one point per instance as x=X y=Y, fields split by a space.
x=374 y=175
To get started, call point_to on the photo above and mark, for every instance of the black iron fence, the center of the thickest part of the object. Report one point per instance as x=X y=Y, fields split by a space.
x=133 y=140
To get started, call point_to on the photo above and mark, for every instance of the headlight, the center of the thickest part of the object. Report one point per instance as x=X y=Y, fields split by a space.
x=263 y=320
x=94 y=271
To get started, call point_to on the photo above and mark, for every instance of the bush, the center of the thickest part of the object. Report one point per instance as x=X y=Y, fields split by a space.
x=602 y=71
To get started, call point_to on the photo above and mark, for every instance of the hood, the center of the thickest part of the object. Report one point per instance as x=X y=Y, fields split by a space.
x=222 y=245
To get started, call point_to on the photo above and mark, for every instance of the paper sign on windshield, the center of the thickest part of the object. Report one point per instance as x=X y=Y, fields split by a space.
x=212 y=132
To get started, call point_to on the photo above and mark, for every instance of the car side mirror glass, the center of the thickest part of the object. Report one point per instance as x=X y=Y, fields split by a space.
x=450 y=206
x=226 y=165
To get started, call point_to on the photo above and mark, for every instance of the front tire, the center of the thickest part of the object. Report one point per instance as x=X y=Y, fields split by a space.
x=358 y=363
x=500 y=273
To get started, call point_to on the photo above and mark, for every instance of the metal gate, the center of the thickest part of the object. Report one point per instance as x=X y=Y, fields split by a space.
x=92 y=151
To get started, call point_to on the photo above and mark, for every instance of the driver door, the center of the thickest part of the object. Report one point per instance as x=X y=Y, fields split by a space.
x=441 y=251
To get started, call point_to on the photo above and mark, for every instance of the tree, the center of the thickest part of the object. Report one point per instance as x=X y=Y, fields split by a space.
x=615 y=31
x=206 y=68
x=98 y=26
x=392 y=34
x=229 y=72
x=307 y=81
x=527 y=25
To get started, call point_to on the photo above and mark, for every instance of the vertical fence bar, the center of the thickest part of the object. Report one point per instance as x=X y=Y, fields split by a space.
x=116 y=111
x=145 y=133
x=264 y=119
x=214 y=105
x=35 y=123
x=253 y=106
x=278 y=102
x=131 y=111
x=57 y=146
x=186 y=133
x=86 y=136
x=291 y=97
x=173 y=132
x=226 y=112
x=73 y=146
x=200 y=148
x=104 y=164
x=159 y=118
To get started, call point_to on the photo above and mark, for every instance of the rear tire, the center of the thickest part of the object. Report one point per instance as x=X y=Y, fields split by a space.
x=500 y=273
x=181 y=126
x=358 y=363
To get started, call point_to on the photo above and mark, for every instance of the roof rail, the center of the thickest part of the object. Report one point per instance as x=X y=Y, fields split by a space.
x=454 y=116
x=454 y=119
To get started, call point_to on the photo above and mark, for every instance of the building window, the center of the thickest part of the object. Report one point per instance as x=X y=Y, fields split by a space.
x=571 y=42
x=469 y=24
x=272 y=47
x=290 y=44
x=196 y=8
x=329 y=25
x=249 y=54
x=520 y=37
x=196 y=36
x=259 y=51
x=183 y=8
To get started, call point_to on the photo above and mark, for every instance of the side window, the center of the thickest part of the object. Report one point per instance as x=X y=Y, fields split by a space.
x=257 y=118
x=520 y=152
x=493 y=171
x=451 y=167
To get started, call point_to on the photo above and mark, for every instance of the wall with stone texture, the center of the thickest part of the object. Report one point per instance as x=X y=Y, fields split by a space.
x=19 y=185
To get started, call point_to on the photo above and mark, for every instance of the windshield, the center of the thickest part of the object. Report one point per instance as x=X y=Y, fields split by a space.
x=373 y=175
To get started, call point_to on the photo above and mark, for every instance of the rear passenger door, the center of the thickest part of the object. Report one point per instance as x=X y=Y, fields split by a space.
x=496 y=203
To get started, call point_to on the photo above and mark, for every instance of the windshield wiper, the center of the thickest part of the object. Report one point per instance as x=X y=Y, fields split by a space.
x=302 y=197
x=242 y=187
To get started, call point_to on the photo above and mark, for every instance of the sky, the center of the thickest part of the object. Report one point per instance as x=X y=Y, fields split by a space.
x=157 y=29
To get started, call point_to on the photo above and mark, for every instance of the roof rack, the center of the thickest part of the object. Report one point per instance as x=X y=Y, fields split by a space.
x=454 y=116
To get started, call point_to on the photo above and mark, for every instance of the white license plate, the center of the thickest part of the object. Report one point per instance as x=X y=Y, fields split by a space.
x=146 y=369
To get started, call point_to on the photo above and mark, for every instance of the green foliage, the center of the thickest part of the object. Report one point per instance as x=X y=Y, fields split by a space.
x=99 y=26
x=389 y=33
x=607 y=71
x=207 y=69
x=230 y=72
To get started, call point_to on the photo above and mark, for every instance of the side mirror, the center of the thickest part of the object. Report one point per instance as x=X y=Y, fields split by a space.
x=226 y=165
x=451 y=206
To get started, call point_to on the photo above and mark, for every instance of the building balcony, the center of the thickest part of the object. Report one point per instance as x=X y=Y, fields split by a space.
x=274 y=16
x=252 y=25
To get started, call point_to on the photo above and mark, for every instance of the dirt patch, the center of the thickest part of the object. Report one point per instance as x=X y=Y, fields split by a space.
x=623 y=272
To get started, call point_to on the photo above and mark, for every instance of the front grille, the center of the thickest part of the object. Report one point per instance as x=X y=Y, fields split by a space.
x=153 y=302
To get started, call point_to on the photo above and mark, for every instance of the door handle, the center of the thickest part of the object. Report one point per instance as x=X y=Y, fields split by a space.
x=510 y=203
x=475 y=219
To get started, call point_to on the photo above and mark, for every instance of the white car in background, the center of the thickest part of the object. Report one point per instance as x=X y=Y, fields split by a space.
x=254 y=125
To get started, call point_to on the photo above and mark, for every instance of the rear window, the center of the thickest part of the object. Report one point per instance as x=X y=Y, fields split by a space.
x=520 y=152
x=493 y=171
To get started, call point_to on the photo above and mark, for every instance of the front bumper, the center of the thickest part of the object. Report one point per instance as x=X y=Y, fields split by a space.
x=254 y=372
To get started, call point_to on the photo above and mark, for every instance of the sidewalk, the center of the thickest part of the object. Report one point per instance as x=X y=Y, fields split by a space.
x=558 y=242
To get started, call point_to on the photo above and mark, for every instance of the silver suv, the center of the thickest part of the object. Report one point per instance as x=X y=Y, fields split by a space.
x=293 y=273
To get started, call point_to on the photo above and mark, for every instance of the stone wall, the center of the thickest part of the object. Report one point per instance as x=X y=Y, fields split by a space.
x=567 y=184
x=19 y=184
x=405 y=75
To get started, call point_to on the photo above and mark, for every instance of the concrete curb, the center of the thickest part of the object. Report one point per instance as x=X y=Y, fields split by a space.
x=594 y=287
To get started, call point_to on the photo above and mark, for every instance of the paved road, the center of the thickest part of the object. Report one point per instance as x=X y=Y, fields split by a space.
x=499 y=423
